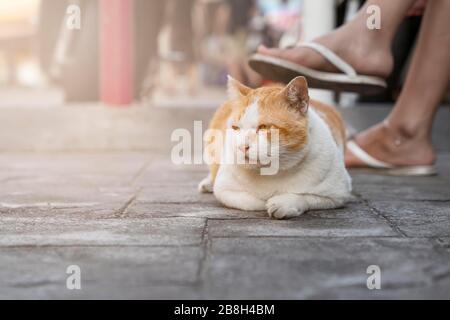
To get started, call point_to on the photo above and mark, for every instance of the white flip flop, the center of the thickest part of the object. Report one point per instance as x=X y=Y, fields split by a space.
x=386 y=168
x=281 y=70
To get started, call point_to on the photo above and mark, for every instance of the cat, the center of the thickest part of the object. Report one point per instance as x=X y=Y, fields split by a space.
x=310 y=151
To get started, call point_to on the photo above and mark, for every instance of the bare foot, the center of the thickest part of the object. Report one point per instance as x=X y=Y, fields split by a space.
x=366 y=55
x=392 y=146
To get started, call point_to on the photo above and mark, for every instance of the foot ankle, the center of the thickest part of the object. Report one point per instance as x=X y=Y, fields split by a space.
x=416 y=144
x=408 y=130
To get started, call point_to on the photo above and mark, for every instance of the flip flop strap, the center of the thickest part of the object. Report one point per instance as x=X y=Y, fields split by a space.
x=332 y=57
x=365 y=157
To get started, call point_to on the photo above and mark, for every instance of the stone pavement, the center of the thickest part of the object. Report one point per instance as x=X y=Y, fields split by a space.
x=136 y=226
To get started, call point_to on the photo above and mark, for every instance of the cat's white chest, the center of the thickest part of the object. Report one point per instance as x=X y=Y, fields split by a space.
x=262 y=187
x=321 y=172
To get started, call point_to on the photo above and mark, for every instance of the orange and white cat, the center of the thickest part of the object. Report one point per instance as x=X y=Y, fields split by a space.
x=310 y=151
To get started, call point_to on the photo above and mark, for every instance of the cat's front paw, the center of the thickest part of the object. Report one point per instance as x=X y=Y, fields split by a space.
x=285 y=206
x=206 y=185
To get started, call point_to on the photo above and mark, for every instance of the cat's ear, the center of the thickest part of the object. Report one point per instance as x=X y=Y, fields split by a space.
x=296 y=93
x=236 y=89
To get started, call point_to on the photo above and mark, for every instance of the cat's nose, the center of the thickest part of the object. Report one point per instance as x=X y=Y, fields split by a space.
x=244 y=148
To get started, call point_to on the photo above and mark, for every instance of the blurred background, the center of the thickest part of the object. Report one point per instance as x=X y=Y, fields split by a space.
x=91 y=92
x=152 y=53
x=174 y=48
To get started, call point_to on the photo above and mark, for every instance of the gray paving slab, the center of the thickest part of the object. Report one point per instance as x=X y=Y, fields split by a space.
x=213 y=210
x=357 y=221
x=174 y=194
x=139 y=229
x=443 y=164
x=82 y=169
x=88 y=185
x=63 y=200
x=417 y=219
x=107 y=232
x=307 y=268
x=106 y=272
x=379 y=187
x=161 y=172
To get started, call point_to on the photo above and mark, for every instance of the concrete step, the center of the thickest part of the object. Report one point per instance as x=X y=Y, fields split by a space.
x=101 y=128
x=17 y=97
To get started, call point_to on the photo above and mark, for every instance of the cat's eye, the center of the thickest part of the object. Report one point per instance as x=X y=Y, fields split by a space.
x=262 y=127
x=235 y=128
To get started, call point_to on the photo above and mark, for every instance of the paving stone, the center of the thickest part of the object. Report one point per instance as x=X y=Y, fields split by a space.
x=280 y=268
x=198 y=210
x=379 y=187
x=417 y=219
x=164 y=182
x=443 y=164
x=174 y=194
x=91 y=185
x=135 y=224
x=363 y=223
x=172 y=178
x=84 y=170
x=106 y=272
x=432 y=292
x=444 y=243
x=63 y=200
x=46 y=231
x=163 y=172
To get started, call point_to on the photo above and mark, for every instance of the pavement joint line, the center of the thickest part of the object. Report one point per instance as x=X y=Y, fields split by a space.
x=169 y=202
x=205 y=230
x=424 y=200
x=439 y=277
x=50 y=246
x=162 y=283
x=139 y=217
x=441 y=242
x=410 y=200
x=28 y=285
x=122 y=212
x=311 y=237
x=303 y=217
x=141 y=171
x=440 y=246
x=391 y=224
x=203 y=264
x=210 y=239
x=378 y=213
x=163 y=216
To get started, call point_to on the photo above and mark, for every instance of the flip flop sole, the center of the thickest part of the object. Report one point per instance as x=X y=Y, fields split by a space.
x=374 y=165
x=413 y=171
x=284 y=71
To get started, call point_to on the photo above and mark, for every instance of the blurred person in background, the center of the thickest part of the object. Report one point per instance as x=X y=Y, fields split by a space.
x=181 y=53
x=217 y=45
x=18 y=29
x=403 y=140
x=235 y=28
x=225 y=44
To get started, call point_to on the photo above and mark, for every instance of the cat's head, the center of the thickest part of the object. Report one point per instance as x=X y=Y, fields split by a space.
x=259 y=115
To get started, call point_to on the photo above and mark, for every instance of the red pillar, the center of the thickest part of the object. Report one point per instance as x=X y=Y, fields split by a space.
x=116 y=52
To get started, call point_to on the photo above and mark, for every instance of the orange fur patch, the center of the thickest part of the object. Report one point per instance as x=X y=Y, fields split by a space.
x=277 y=110
x=333 y=119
